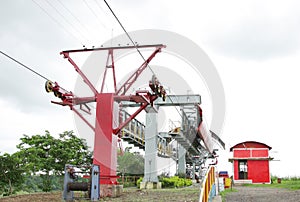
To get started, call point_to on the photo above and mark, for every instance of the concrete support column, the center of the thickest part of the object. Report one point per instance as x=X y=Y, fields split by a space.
x=150 y=169
x=181 y=159
x=193 y=171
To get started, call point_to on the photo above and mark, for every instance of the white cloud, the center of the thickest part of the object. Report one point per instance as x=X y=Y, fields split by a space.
x=253 y=44
x=15 y=122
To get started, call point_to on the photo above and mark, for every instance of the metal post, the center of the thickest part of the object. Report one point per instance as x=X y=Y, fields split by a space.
x=67 y=195
x=95 y=189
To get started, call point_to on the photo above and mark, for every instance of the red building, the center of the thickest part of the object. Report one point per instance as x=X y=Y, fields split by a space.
x=251 y=162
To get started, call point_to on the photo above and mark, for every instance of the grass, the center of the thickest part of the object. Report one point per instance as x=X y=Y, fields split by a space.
x=226 y=191
x=291 y=184
x=167 y=194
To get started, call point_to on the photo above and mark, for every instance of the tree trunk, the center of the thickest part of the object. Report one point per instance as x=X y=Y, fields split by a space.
x=10 y=187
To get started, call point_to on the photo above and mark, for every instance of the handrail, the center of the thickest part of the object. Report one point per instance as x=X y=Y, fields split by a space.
x=208 y=186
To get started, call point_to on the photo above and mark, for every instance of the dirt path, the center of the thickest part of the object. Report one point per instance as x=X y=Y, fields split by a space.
x=262 y=194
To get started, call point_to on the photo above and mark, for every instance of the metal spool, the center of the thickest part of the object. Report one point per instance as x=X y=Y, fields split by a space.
x=78 y=186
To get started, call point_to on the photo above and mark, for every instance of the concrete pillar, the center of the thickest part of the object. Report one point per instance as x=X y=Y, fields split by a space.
x=150 y=170
x=193 y=171
x=181 y=159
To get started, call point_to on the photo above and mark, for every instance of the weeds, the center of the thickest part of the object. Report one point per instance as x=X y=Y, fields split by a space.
x=225 y=192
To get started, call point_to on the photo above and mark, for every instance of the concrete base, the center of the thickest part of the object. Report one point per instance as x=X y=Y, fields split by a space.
x=150 y=185
x=241 y=182
x=110 y=190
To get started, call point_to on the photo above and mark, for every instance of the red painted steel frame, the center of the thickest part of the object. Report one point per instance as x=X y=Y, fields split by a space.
x=124 y=88
x=204 y=133
x=85 y=79
x=105 y=143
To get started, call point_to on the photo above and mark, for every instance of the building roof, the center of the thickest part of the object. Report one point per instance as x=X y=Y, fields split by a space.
x=250 y=144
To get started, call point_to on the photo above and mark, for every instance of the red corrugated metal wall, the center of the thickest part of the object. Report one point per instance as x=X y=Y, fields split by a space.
x=260 y=153
x=241 y=153
x=258 y=171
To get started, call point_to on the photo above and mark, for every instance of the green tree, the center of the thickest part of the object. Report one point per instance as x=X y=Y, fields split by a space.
x=47 y=155
x=131 y=163
x=69 y=149
x=11 y=173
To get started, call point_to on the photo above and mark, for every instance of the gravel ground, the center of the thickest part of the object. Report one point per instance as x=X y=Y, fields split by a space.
x=262 y=194
x=187 y=194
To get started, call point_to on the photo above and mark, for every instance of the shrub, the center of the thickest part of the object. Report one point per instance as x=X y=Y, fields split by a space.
x=138 y=182
x=175 y=181
x=274 y=179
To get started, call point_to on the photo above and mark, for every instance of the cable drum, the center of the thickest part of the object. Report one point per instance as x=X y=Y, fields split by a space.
x=78 y=186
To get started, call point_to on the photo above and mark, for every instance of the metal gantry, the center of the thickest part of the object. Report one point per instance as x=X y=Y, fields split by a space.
x=106 y=136
x=193 y=136
x=190 y=136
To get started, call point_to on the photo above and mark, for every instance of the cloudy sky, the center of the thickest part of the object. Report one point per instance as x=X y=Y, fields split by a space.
x=254 y=45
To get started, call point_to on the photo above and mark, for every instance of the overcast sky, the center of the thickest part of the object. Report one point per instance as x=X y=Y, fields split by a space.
x=253 y=44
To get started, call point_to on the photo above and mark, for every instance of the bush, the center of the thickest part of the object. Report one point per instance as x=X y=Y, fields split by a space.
x=175 y=182
x=138 y=182
x=170 y=182
x=273 y=179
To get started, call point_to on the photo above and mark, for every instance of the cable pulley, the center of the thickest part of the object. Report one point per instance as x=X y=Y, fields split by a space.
x=157 y=88
x=49 y=86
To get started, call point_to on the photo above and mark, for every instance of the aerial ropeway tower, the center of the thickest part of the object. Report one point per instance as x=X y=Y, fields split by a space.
x=111 y=121
x=106 y=136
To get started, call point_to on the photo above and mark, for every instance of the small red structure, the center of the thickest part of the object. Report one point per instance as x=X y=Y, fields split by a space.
x=251 y=162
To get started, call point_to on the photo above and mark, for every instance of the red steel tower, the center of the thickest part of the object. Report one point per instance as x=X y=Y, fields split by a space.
x=107 y=108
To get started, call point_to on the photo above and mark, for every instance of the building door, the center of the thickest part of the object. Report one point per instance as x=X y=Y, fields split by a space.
x=243 y=169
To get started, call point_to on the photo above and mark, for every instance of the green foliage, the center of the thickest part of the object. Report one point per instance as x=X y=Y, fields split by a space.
x=129 y=184
x=44 y=153
x=138 y=182
x=128 y=180
x=131 y=163
x=11 y=173
x=175 y=181
x=274 y=179
x=170 y=182
x=48 y=155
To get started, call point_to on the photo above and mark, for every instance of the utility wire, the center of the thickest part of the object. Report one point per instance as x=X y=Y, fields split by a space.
x=99 y=6
x=57 y=22
x=102 y=10
x=94 y=13
x=128 y=35
x=135 y=46
x=28 y=68
x=74 y=16
x=66 y=20
x=25 y=66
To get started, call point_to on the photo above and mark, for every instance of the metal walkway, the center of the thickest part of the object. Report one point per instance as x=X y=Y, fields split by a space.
x=192 y=135
x=134 y=133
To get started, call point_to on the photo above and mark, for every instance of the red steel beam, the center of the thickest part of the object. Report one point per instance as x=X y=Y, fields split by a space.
x=77 y=69
x=124 y=88
x=113 y=47
x=147 y=100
